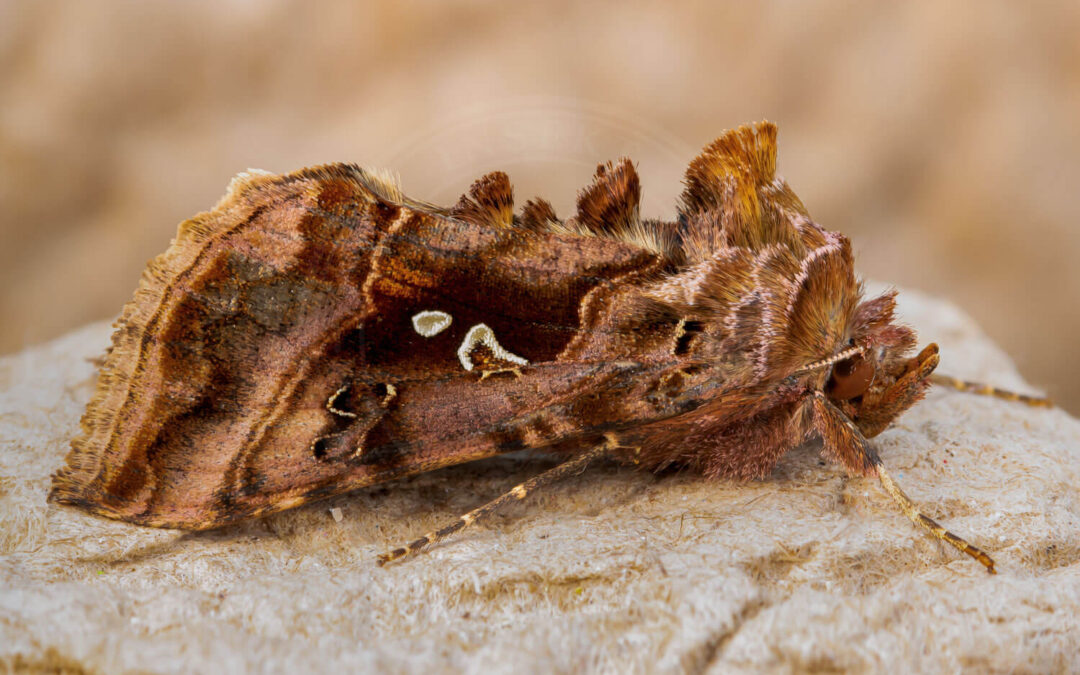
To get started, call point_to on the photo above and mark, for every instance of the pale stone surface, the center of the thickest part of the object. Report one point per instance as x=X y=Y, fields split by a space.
x=613 y=571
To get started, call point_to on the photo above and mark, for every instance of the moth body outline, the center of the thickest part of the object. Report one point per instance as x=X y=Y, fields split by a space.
x=319 y=331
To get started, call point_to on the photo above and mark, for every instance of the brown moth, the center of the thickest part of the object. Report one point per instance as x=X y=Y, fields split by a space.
x=318 y=332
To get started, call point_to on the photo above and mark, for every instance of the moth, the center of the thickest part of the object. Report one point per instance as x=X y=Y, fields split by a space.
x=319 y=331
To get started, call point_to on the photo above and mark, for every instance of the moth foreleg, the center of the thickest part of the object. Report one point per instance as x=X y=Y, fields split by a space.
x=519 y=492
x=987 y=390
x=844 y=441
x=929 y=524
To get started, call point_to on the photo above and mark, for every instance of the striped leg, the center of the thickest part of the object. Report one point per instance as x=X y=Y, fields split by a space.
x=846 y=444
x=567 y=468
x=987 y=390
x=912 y=511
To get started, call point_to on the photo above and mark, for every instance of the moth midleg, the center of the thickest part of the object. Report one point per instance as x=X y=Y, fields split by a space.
x=987 y=390
x=519 y=492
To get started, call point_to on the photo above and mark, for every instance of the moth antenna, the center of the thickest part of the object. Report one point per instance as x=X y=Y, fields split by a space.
x=987 y=390
x=832 y=360
x=519 y=492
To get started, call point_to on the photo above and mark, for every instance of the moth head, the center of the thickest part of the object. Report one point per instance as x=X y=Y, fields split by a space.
x=874 y=357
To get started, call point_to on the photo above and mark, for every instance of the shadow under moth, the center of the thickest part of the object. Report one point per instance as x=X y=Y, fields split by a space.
x=319 y=331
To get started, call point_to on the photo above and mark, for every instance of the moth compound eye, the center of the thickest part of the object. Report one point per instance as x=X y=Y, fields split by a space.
x=850 y=378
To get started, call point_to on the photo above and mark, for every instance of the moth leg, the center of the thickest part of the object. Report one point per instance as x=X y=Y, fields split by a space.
x=567 y=468
x=929 y=524
x=987 y=390
x=844 y=441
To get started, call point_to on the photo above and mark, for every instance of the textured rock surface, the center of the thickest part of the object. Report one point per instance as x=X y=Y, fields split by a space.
x=613 y=570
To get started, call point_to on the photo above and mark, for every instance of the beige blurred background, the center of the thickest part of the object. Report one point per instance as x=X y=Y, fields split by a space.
x=944 y=138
